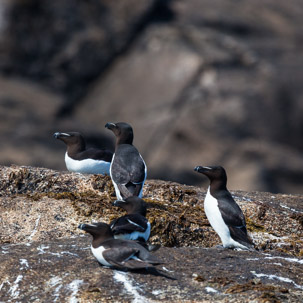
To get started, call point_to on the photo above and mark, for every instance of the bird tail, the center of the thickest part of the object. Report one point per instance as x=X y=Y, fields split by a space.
x=136 y=264
x=240 y=235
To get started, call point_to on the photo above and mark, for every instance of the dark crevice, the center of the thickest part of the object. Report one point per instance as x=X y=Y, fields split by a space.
x=231 y=27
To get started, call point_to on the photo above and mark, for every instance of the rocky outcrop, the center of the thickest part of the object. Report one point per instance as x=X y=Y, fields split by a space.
x=198 y=84
x=44 y=257
x=65 y=271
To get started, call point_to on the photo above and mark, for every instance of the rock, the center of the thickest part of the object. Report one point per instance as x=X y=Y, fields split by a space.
x=45 y=257
x=64 y=45
x=64 y=270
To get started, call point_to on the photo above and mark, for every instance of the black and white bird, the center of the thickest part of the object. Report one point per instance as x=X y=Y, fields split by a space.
x=128 y=170
x=123 y=254
x=81 y=160
x=223 y=213
x=134 y=225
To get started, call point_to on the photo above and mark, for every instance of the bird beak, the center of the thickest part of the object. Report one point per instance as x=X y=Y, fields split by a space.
x=198 y=168
x=202 y=169
x=110 y=125
x=118 y=203
x=56 y=135
x=86 y=227
x=82 y=226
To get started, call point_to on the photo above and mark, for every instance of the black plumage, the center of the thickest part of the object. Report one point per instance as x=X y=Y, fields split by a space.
x=76 y=147
x=115 y=252
x=218 y=197
x=133 y=225
x=128 y=169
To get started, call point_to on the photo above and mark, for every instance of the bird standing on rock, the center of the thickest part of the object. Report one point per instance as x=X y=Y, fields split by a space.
x=223 y=213
x=128 y=170
x=123 y=254
x=81 y=160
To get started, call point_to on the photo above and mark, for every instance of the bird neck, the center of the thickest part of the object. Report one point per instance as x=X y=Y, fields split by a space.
x=97 y=239
x=76 y=148
x=141 y=211
x=121 y=141
x=125 y=138
x=217 y=185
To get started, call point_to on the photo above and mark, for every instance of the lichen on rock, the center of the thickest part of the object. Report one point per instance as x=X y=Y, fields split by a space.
x=174 y=210
x=41 y=209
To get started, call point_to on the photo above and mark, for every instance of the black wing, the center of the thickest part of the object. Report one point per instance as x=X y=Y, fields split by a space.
x=128 y=166
x=128 y=224
x=230 y=210
x=240 y=235
x=130 y=189
x=148 y=246
x=121 y=256
x=95 y=154
x=233 y=218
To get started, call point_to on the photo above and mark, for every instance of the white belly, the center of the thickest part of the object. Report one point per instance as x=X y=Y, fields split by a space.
x=216 y=221
x=97 y=252
x=87 y=166
x=118 y=194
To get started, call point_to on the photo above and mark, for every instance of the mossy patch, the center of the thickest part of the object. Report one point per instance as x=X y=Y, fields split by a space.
x=221 y=281
x=85 y=203
x=253 y=226
x=255 y=286
x=199 y=278
x=298 y=217
x=293 y=246
x=175 y=211
x=175 y=224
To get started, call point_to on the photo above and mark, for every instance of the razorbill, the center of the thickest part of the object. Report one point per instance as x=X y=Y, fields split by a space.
x=223 y=213
x=116 y=252
x=134 y=225
x=81 y=160
x=128 y=169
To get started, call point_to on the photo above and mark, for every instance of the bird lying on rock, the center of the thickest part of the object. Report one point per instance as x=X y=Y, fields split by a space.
x=81 y=160
x=133 y=225
x=122 y=254
x=223 y=213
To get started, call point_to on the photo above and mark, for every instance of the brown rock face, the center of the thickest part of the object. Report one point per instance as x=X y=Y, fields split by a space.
x=44 y=257
x=202 y=83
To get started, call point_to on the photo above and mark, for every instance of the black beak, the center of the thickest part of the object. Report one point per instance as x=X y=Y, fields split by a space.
x=110 y=125
x=56 y=135
x=203 y=169
x=118 y=203
x=82 y=226
x=198 y=169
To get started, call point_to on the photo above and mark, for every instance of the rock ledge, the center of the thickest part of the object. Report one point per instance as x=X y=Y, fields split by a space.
x=44 y=257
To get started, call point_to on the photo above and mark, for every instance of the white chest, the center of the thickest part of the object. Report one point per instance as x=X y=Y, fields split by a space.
x=87 y=166
x=98 y=254
x=118 y=194
x=215 y=218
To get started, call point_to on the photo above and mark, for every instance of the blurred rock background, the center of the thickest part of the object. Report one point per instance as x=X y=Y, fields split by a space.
x=202 y=82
